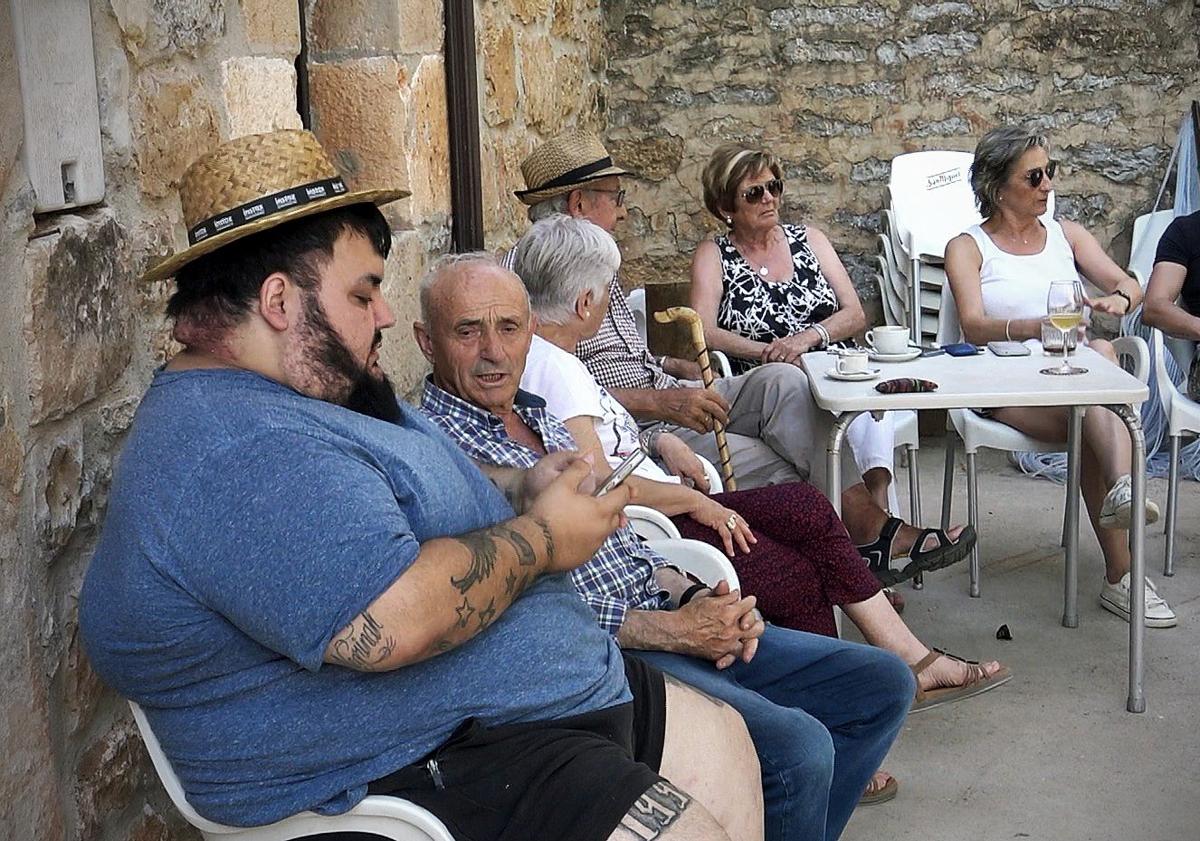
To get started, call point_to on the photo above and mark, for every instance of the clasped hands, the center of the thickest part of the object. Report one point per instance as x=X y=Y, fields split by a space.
x=720 y=625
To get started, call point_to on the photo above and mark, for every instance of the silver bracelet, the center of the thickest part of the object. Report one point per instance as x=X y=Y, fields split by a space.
x=823 y=333
x=1006 y=326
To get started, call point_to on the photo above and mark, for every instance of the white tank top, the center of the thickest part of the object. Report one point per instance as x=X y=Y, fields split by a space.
x=1014 y=285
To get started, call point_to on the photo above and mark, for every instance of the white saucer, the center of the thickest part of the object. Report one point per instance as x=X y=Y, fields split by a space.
x=861 y=376
x=911 y=353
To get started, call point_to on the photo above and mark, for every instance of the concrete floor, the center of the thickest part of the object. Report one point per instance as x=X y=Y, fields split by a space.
x=1052 y=754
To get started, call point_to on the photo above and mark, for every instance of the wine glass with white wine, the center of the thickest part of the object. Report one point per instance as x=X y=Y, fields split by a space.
x=1064 y=306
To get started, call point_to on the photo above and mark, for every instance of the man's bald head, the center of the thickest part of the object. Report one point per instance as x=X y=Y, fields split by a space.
x=475 y=329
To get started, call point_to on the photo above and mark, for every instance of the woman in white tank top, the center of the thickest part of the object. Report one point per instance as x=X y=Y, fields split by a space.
x=1000 y=272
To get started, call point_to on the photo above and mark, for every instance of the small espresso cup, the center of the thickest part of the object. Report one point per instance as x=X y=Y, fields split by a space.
x=891 y=339
x=852 y=361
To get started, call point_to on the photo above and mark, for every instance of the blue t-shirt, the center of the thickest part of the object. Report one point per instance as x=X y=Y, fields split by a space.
x=247 y=525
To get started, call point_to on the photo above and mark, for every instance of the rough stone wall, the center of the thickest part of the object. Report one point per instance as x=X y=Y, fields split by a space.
x=80 y=335
x=837 y=89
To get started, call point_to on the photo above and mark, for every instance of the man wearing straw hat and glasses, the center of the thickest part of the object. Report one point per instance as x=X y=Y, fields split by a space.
x=315 y=595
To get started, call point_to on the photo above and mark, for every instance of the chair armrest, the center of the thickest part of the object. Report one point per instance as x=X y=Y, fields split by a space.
x=650 y=523
x=721 y=362
x=1135 y=347
x=701 y=560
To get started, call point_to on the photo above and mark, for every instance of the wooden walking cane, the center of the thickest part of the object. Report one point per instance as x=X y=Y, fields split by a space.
x=691 y=320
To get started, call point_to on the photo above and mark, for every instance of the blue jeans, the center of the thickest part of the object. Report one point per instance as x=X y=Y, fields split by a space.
x=822 y=713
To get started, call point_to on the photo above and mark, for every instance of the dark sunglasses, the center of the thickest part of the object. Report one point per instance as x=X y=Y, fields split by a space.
x=755 y=194
x=618 y=195
x=1035 y=176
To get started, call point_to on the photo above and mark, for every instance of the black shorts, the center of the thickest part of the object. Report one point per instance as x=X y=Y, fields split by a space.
x=572 y=779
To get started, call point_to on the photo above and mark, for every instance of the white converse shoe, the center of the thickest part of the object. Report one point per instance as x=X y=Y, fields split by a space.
x=1115 y=512
x=1115 y=599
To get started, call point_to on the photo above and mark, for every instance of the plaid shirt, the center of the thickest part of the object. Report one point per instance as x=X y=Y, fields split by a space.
x=620 y=577
x=617 y=355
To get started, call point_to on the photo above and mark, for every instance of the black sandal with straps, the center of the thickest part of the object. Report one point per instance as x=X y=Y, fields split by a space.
x=878 y=555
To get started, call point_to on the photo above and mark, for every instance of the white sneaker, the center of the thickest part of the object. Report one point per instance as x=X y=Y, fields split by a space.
x=1115 y=512
x=1115 y=599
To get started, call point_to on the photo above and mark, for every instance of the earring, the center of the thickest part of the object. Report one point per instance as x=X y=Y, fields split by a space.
x=587 y=313
x=728 y=220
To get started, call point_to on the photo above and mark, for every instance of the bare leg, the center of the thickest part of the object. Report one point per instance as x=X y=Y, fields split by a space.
x=1104 y=458
x=707 y=752
x=864 y=518
x=877 y=481
x=882 y=628
x=668 y=813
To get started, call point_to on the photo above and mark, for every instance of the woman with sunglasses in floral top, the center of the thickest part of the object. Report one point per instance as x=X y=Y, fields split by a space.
x=769 y=292
x=1000 y=272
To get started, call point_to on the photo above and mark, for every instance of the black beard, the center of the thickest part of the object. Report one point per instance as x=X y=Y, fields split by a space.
x=348 y=383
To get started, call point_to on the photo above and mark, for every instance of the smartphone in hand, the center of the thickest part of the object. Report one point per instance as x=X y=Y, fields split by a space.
x=623 y=472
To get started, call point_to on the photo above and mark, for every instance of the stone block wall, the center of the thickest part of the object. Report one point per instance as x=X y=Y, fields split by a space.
x=80 y=335
x=837 y=89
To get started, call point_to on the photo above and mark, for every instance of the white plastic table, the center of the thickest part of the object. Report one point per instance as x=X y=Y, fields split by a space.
x=988 y=381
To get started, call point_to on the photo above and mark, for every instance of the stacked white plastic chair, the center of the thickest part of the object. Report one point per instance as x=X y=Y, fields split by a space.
x=929 y=203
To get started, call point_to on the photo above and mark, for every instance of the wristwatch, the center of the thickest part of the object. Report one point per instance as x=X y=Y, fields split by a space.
x=1128 y=300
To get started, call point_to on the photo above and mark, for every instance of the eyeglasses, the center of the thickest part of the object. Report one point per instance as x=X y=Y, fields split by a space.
x=755 y=194
x=618 y=195
x=1035 y=176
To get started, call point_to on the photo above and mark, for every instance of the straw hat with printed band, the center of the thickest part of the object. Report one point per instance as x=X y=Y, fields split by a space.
x=563 y=164
x=256 y=182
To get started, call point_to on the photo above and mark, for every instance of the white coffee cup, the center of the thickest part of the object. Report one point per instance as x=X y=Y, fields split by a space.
x=852 y=362
x=890 y=340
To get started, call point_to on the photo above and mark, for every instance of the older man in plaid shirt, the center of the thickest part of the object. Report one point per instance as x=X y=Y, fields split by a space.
x=806 y=699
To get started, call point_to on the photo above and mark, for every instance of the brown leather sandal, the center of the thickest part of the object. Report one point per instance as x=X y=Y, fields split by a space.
x=880 y=792
x=975 y=682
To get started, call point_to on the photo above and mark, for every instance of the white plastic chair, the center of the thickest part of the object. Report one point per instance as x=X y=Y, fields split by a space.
x=387 y=817
x=701 y=560
x=978 y=432
x=637 y=304
x=1183 y=416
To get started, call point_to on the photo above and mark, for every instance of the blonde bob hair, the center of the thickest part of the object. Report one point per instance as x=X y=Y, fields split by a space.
x=730 y=164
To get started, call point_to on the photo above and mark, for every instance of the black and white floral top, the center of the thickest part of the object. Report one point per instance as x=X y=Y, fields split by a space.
x=765 y=310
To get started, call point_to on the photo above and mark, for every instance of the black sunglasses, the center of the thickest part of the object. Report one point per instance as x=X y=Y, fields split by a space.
x=1035 y=176
x=755 y=194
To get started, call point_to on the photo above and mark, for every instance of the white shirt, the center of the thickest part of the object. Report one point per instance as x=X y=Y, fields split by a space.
x=1016 y=285
x=570 y=391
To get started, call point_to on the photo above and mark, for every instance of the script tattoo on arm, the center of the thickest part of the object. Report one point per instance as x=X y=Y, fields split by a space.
x=654 y=812
x=363 y=645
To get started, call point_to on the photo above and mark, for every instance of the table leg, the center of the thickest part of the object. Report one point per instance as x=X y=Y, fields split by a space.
x=833 y=459
x=1137 y=566
x=1071 y=565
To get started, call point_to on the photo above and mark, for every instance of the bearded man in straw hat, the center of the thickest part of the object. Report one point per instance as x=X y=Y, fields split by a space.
x=312 y=604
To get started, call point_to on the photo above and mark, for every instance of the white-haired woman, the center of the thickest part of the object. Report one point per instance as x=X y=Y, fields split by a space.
x=1000 y=271
x=798 y=560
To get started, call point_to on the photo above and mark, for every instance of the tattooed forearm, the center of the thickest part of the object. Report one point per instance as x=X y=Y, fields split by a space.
x=655 y=811
x=525 y=554
x=483 y=558
x=548 y=537
x=363 y=645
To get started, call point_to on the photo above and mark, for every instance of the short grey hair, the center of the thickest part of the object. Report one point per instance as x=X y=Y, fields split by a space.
x=561 y=258
x=995 y=156
x=451 y=264
x=548 y=207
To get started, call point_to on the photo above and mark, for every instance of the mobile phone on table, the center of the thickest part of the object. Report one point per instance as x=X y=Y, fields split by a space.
x=623 y=471
x=1008 y=348
x=961 y=349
